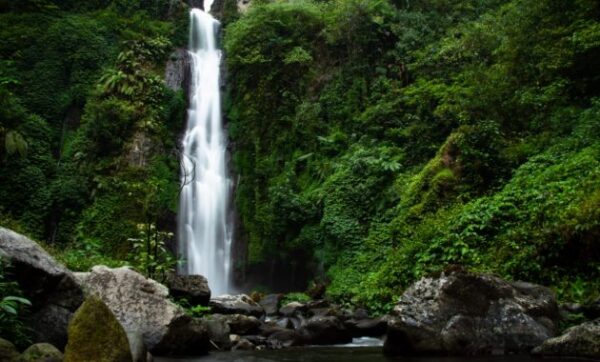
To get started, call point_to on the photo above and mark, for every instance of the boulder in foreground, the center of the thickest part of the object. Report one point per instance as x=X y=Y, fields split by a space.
x=51 y=288
x=460 y=313
x=96 y=335
x=142 y=306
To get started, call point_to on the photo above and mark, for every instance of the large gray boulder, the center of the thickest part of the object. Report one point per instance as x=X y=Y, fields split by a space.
x=142 y=305
x=236 y=304
x=582 y=341
x=51 y=288
x=467 y=314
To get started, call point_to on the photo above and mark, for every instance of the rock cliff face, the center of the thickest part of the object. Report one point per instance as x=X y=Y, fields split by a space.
x=177 y=70
x=464 y=313
x=51 y=288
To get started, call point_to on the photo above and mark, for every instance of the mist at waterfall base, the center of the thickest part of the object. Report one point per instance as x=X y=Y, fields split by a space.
x=204 y=228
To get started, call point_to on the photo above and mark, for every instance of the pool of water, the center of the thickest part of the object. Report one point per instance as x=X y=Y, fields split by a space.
x=358 y=351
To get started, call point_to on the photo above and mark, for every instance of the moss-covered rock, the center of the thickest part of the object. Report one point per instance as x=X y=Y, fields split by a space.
x=42 y=352
x=96 y=335
x=8 y=351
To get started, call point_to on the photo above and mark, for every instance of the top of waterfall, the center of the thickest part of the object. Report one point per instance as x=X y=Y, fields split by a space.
x=208 y=5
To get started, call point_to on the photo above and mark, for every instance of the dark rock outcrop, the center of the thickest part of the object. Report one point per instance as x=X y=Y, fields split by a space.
x=324 y=330
x=236 y=304
x=177 y=70
x=368 y=327
x=592 y=310
x=186 y=336
x=284 y=338
x=582 y=341
x=218 y=332
x=51 y=288
x=270 y=303
x=239 y=323
x=467 y=314
x=293 y=309
x=194 y=288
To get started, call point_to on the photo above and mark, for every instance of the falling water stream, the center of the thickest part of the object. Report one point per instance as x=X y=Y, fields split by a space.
x=204 y=229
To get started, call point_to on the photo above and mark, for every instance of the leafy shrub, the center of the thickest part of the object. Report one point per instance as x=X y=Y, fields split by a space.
x=295 y=297
x=13 y=308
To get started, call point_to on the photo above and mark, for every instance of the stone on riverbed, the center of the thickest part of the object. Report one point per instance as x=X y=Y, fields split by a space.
x=236 y=304
x=218 y=332
x=366 y=327
x=293 y=309
x=239 y=323
x=243 y=345
x=468 y=314
x=283 y=338
x=582 y=341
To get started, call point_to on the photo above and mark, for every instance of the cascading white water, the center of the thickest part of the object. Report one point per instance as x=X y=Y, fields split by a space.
x=204 y=229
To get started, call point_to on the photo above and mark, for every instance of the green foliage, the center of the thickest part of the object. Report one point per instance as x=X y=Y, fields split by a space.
x=194 y=311
x=412 y=135
x=295 y=297
x=80 y=88
x=13 y=308
x=150 y=255
x=375 y=141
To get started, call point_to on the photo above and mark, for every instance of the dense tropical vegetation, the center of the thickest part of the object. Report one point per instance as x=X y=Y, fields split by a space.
x=374 y=141
x=380 y=141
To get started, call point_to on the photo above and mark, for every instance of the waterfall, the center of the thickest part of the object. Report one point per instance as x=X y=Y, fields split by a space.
x=204 y=229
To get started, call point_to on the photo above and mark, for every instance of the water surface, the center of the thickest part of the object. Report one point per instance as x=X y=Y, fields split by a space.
x=339 y=354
